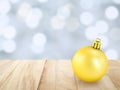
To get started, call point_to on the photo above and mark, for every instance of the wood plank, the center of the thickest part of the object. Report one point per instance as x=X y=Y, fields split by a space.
x=64 y=76
x=5 y=64
x=58 y=75
x=26 y=76
x=114 y=72
x=47 y=81
x=6 y=71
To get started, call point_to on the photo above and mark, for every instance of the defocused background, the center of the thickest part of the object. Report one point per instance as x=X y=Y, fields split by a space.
x=55 y=29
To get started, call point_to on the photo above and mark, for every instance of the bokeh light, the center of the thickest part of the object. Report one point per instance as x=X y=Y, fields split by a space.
x=112 y=54
x=102 y=26
x=9 y=46
x=87 y=4
x=1 y=31
x=42 y=1
x=91 y=33
x=58 y=22
x=73 y=24
x=2 y=40
x=9 y=32
x=14 y=1
x=38 y=43
x=24 y=9
x=86 y=18
x=111 y=12
x=5 y=6
x=64 y=11
x=4 y=20
x=39 y=39
x=33 y=18
x=104 y=41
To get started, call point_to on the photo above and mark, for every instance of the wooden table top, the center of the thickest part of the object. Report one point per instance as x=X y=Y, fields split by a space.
x=52 y=75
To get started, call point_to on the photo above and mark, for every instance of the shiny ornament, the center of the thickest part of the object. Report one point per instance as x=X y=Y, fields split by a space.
x=90 y=63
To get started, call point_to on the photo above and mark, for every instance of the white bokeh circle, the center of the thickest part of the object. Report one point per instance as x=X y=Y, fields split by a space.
x=34 y=17
x=9 y=32
x=38 y=43
x=5 y=6
x=24 y=10
x=102 y=26
x=64 y=11
x=111 y=13
x=14 y=1
x=86 y=18
x=112 y=54
x=39 y=39
x=57 y=22
x=9 y=46
x=91 y=33
x=4 y=20
x=42 y=1
x=104 y=41
x=73 y=24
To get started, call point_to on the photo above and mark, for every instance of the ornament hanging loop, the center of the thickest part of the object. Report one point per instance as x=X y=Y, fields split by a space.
x=97 y=43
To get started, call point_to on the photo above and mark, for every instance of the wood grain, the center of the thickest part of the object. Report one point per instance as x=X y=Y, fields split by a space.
x=52 y=75
x=114 y=72
x=57 y=78
x=25 y=76
x=47 y=81
x=64 y=76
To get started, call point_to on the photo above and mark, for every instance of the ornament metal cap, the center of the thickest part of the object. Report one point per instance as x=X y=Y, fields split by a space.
x=96 y=43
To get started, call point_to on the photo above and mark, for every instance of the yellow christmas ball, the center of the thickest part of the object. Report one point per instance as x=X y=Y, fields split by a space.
x=90 y=63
